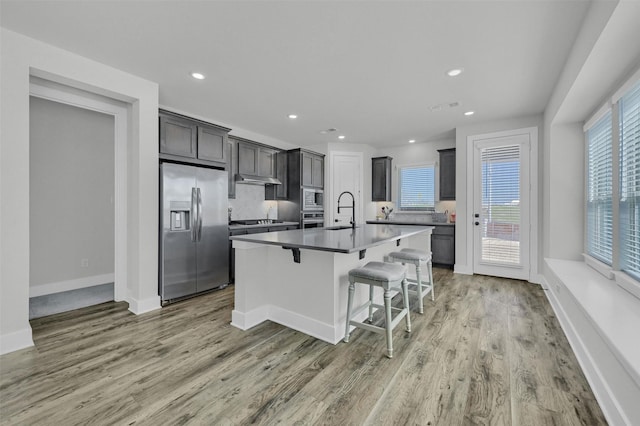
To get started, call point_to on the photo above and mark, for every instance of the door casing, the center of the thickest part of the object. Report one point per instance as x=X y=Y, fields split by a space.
x=532 y=134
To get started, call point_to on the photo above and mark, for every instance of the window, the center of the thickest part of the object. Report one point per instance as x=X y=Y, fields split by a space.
x=613 y=188
x=417 y=188
x=629 y=118
x=600 y=190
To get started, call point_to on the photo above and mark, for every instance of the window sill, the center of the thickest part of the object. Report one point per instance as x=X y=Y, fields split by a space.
x=614 y=312
x=627 y=283
x=604 y=269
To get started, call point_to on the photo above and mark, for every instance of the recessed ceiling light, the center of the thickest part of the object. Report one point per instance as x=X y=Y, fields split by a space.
x=412 y=141
x=469 y=113
x=197 y=75
x=455 y=72
x=341 y=137
x=293 y=116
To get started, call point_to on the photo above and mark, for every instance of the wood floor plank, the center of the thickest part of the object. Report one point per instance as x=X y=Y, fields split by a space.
x=487 y=351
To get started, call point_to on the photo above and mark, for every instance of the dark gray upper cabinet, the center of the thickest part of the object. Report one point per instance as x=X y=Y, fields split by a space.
x=191 y=140
x=312 y=169
x=381 y=179
x=256 y=160
x=212 y=144
x=178 y=137
x=248 y=158
x=447 y=174
x=267 y=162
x=279 y=192
x=232 y=165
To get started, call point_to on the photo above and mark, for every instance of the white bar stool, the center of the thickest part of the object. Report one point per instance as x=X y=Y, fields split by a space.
x=418 y=258
x=391 y=278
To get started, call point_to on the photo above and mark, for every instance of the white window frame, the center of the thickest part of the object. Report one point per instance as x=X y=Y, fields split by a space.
x=613 y=272
x=399 y=169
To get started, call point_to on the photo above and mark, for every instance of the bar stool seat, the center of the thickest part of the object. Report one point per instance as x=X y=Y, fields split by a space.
x=418 y=258
x=391 y=278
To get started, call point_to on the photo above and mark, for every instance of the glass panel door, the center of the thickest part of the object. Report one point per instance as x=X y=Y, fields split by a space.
x=501 y=205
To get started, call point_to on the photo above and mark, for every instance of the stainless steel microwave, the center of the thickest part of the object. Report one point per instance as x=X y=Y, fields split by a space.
x=312 y=199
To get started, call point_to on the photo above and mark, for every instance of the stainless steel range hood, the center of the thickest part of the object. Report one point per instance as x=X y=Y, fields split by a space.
x=257 y=180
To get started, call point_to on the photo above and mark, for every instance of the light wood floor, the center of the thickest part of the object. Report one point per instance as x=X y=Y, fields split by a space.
x=489 y=351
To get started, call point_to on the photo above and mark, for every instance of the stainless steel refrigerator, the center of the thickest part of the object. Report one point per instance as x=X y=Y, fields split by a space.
x=194 y=232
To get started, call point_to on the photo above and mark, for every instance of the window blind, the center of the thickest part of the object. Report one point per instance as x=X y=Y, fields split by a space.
x=501 y=204
x=629 y=106
x=417 y=188
x=600 y=190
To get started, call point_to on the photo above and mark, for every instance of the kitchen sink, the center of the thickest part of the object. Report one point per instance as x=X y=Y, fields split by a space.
x=337 y=228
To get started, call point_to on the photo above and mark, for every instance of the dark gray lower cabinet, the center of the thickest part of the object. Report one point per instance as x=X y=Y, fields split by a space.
x=443 y=246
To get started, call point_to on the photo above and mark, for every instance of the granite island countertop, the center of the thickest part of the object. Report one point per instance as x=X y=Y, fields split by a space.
x=335 y=240
x=408 y=222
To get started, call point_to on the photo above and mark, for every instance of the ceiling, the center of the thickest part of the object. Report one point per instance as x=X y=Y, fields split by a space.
x=371 y=69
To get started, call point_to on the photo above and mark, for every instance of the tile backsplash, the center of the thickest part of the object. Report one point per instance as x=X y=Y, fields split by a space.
x=250 y=203
x=441 y=206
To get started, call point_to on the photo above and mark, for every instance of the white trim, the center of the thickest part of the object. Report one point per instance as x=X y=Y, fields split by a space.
x=247 y=320
x=602 y=268
x=532 y=133
x=70 y=96
x=145 y=305
x=601 y=112
x=462 y=269
x=628 y=283
x=632 y=81
x=333 y=197
x=306 y=325
x=67 y=285
x=601 y=390
x=17 y=340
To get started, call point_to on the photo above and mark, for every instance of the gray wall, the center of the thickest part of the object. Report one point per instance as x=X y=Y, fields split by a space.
x=71 y=192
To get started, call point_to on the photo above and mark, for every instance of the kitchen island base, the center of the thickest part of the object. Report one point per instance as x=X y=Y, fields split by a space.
x=310 y=296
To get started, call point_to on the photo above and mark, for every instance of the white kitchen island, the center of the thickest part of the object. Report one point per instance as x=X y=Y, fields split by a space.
x=299 y=278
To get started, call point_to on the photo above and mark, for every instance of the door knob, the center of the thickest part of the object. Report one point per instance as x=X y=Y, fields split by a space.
x=477 y=223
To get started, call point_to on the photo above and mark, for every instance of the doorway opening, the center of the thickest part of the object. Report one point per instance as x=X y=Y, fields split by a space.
x=77 y=198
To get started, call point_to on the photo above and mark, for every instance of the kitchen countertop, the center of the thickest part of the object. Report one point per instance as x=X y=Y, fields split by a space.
x=338 y=241
x=406 y=222
x=262 y=225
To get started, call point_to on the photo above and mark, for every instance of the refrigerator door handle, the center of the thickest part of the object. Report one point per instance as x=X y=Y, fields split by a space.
x=199 y=215
x=194 y=214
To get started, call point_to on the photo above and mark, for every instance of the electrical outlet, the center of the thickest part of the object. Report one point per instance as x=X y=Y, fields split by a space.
x=84 y=263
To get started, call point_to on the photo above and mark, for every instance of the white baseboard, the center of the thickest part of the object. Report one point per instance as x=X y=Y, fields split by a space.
x=306 y=325
x=75 y=284
x=17 y=340
x=247 y=320
x=145 y=305
x=539 y=279
x=462 y=269
x=610 y=406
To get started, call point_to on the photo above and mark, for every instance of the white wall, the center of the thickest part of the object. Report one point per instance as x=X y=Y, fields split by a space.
x=417 y=153
x=464 y=211
x=22 y=57
x=71 y=194
x=604 y=54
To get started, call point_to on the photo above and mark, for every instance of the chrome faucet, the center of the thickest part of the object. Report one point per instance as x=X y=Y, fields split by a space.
x=353 y=208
